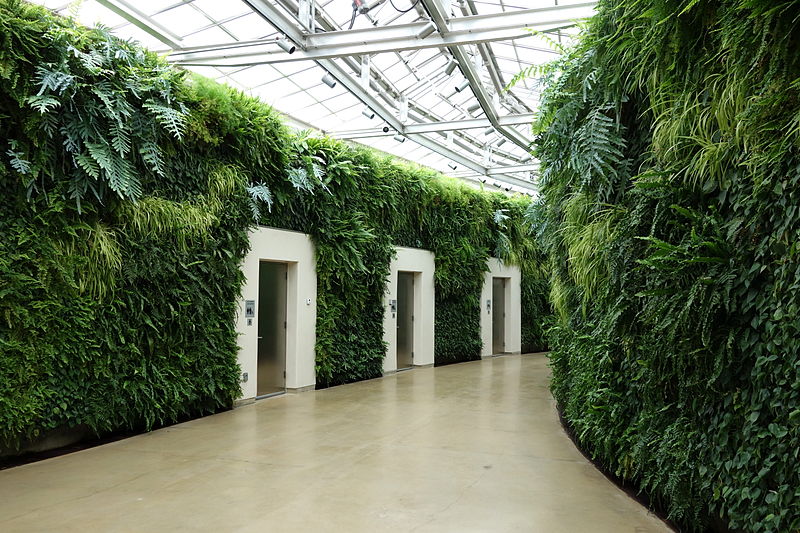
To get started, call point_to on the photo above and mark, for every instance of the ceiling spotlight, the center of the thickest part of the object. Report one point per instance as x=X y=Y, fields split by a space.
x=364 y=7
x=286 y=45
x=399 y=138
x=488 y=131
x=474 y=107
x=452 y=166
x=483 y=180
x=463 y=86
x=496 y=184
x=386 y=129
x=507 y=189
x=426 y=30
x=451 y=67
x=369 y=113
x=527 y=157
x=501 y=142
x=328 y=80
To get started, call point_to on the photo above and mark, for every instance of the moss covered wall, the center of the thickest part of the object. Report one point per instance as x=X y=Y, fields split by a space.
x=669 y=140
x=129 y=188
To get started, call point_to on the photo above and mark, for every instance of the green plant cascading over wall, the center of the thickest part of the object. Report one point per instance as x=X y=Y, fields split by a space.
x=670 y=147
x=129 y=189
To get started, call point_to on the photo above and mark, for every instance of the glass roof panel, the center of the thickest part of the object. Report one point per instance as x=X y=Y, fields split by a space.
x=181 y=20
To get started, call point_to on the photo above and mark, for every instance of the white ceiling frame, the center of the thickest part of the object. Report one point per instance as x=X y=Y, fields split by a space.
x=285 y=25
x=440 y=19
x=432 y=127
x=463 y=30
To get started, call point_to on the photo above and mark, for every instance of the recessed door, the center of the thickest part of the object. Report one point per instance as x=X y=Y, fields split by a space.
x=498 y=315
x=405 y=319
x=271 y=376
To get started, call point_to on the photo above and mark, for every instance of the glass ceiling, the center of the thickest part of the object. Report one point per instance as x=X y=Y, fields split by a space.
x=382 y=57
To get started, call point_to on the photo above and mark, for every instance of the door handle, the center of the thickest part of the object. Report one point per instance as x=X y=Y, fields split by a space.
x=260 y=338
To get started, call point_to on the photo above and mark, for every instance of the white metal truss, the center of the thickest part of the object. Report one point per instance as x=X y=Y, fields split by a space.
x=461 y=31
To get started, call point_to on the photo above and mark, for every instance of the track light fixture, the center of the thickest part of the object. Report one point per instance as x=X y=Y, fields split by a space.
x=496 y=184
x=452 y=166
x=462 y=86
x=386 y=129
x=488 y=131
x=483 y=180
x=451 y=67
x=286 y=45
x=501 y=142
x=329 y=80
x=474 y=107
x=426 y=30
x=369 y=113
x=399 y=138
x=507 y=189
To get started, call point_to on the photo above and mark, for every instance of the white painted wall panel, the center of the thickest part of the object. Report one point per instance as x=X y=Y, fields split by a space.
x=296 y=249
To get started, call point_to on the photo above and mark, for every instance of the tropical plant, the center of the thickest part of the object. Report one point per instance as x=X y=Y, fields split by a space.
x=669 y=144
x=129 y=191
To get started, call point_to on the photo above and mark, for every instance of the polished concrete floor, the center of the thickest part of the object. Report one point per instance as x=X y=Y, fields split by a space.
x=469 y=447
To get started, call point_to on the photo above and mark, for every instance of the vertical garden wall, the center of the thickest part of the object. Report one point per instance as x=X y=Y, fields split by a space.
x=670 y=147
x=128 y=191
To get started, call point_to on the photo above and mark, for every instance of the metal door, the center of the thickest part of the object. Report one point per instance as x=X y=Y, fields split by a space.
x=271 y=374
x=405 y=319
x=499 y=315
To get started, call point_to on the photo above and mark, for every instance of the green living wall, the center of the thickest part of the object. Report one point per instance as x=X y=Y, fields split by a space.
x=670 y=146
x=129 y=188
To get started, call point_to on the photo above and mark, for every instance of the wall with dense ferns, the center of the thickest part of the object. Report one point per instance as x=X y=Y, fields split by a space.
x=670 y=146
x=128 y=190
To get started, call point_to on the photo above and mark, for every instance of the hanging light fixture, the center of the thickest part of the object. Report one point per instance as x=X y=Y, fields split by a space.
x=286 y=45
x=329 y=80
x=369 y=113
x=426 y=30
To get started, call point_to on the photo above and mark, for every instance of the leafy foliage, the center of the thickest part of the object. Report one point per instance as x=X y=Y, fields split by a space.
x=670 y=153
x=130 y=189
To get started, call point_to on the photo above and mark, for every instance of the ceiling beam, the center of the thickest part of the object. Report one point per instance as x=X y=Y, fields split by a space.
x=440 y=19
x=431 y=127
x=327 y=45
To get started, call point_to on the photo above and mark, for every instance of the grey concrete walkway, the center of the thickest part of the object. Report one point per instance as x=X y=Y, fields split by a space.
x=470 y=447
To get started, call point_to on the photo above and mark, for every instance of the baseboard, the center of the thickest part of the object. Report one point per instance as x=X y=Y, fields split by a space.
x=298 y=390
x=243 y=401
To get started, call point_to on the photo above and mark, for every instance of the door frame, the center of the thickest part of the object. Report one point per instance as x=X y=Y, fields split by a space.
x=421 y=264
x=297 y=251
x=513 y=307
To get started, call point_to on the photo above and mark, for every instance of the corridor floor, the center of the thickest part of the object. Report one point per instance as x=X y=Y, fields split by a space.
x=461 y=448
